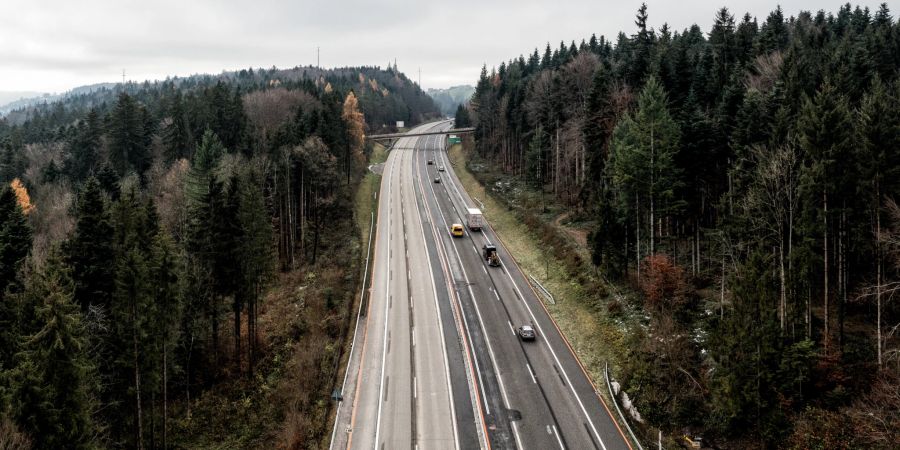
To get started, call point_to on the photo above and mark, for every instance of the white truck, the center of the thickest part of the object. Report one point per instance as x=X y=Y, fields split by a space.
x=474 y=219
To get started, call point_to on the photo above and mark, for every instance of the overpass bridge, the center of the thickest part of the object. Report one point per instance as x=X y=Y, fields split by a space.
x=390 y=136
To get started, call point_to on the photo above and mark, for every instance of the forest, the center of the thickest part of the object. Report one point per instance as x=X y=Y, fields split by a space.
x=741 y=184
x=142 y=228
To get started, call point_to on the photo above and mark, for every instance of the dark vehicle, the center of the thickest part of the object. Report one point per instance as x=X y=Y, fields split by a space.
x=490 y=255
x=441 y=169
x=526 y=333
x=437 y=179
x=430 y=162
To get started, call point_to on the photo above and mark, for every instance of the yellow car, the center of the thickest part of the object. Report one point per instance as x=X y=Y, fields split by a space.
x=456 y=230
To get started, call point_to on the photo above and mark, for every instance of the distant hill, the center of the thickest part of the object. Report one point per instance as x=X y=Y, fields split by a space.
x=12 y=96
x=449 y=99
x=11 y=101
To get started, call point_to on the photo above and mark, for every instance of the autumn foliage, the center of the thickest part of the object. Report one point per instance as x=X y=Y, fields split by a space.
x=664 y=285
x=22 y=196
x=356 y=127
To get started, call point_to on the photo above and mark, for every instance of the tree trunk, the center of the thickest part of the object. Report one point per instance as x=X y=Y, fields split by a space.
x=556 y=165
x=722 y=289
x=165 y=383
x=825 y=252
x=652 y=191
x=137 y=373
x=237 y=307
x=637 y=228
x=878 y=282
x=782 y=306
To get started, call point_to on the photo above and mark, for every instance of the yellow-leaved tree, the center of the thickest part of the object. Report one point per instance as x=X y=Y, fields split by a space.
x=21 y=195
x=356 y=128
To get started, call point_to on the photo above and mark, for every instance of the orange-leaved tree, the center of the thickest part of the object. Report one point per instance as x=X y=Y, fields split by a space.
x=22 y=195
x=356 y=129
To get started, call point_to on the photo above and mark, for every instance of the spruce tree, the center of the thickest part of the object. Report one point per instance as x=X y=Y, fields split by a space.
x=826 y=137
x=177 y=134
x=90 y=249
x=644 y=148
x=128 y=137
x=53 y=391
x=15 y=238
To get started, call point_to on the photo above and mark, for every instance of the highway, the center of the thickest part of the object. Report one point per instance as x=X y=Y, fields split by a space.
x=440 y=365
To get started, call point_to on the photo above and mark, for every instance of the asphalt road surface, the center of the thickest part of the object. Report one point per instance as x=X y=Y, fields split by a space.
x=440 y=365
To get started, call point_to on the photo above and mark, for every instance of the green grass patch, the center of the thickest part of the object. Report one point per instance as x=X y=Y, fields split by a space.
x=580 y=294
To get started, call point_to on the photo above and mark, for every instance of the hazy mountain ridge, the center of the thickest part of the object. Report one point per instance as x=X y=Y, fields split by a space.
x=448 y=99
x=11 y=101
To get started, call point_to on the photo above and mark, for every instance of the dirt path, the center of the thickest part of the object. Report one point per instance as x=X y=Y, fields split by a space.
x=580 y=235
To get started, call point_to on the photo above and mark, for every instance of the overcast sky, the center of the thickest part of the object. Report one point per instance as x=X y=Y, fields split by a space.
x=55 y=45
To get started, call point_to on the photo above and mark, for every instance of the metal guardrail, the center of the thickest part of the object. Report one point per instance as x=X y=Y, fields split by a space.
x=615 y=400
x=479 y=202
x=540 y=287
x=362 y=300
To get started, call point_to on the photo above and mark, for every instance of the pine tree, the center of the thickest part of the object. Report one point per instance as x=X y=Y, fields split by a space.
x=132 y=312
x=166 y=269
x=205 y=160
x=84 y=147
x=177 y=134
x=52 y=389
x=825 y=135
x=256 y=257
x=128 y=136
x=642 y=50
x=15 y=244
x=15 y=238
x=90 y=250
x=879 y=129
x=462 y=117
x=644 y=148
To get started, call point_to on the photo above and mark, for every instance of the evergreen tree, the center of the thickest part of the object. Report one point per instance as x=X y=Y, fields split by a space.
x=826 y=137
x=462 y=117
x=206 y=157
x=84 y=147
x=15 y=238
x=90 y=249
x=129 y=149
x=255 y=254
x=642 y=49
x=644 y=148
x=177 y=134
x=132 y=338
x=52 y=388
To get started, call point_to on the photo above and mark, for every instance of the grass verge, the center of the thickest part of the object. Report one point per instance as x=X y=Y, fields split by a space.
x=580 y=298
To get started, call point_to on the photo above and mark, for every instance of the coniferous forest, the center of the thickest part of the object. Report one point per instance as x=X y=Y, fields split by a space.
x=741 y=183
x=141 y=227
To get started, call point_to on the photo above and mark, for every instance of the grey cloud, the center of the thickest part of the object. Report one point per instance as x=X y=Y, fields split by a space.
x=61 y=44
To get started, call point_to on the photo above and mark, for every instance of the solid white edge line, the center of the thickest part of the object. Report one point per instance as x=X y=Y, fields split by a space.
x=538 y=328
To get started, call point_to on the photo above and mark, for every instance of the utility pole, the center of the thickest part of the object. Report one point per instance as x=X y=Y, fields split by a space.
x=317 y=58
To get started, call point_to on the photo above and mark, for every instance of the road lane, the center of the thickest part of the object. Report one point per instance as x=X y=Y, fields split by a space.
x=412 y=372
x=441 y=365
x=581 y=418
